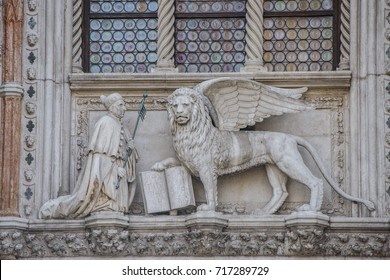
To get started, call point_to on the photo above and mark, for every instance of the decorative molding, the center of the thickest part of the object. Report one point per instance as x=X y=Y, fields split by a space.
x=90 y=83
x=345 y=36
x=386 y=110
x=30 y=108
x=386 y=140
x=338 y=150
x=76 y=36
x=254 y=37
x=300 y=236
x=166 y=40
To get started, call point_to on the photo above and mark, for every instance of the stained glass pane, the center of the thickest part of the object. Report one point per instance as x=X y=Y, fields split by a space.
x=210 y=43
x=127 y=43
x=135 y=6
x=206 y=6
x=298 y=44
x=297 y=5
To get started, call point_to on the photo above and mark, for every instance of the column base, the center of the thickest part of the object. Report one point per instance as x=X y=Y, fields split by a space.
x=254 y=67
x=164 y=66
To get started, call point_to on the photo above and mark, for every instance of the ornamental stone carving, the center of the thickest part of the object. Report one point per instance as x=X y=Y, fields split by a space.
x=210 y=151
x=107 y=181
x=122 y=243
x=32 y=5
x=31 y=74
x=32 y=39
x=31 y=108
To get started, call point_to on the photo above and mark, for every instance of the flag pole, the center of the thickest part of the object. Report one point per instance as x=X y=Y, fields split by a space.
x=129 y=151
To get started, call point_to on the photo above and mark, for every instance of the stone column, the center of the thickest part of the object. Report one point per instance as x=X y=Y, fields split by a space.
x=365 y=167
x=166 y=40
x=345 y=37
x=11 y=95
x=77 y=20
x=254 y=37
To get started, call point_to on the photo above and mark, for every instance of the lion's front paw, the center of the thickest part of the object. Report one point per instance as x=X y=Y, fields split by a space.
x=159 y=166
x=205 y=207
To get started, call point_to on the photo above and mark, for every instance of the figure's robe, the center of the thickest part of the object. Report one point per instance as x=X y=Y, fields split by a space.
x=96 y=187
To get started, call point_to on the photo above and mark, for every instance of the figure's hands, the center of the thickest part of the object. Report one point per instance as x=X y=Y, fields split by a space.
x=121 y=172
x=131 y=144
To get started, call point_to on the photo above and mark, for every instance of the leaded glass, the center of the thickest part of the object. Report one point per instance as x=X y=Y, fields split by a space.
x=136 y=6
x=121 y=37
x=213 y=42
x=297 y=43
x=297 y=5
x=207 y=6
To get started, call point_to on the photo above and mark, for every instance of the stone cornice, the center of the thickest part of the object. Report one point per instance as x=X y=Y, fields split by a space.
x=166 y=223
x=196 y=235
x=86 y=83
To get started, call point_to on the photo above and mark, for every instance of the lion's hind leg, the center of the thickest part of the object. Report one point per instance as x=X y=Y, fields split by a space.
x=278 y=181
x=292 y=164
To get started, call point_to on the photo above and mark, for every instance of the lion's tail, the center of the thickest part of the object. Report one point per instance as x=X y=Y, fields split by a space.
x=303 y=143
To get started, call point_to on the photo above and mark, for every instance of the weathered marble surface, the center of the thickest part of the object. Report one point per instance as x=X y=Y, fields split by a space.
x=309 y=236
x=168 y=190
x=107 y=179
x=11 y=90
x=205 y=123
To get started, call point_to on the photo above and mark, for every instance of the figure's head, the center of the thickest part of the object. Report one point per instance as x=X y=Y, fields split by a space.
x=115 y=104
x=181 y=103
x=186 y=110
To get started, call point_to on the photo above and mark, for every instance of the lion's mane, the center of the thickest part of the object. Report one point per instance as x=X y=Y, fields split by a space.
x=199 y=124
x=198 y=137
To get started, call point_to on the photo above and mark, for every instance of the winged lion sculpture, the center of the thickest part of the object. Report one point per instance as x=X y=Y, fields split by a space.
x=205 y=123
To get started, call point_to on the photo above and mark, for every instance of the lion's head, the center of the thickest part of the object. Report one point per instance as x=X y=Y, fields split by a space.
x=186 y=109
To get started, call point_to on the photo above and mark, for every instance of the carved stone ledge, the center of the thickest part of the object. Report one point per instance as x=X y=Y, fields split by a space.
x=107 y=219
x=206 y=221
x=298 y=220
x=86 y=83
x=167 y=236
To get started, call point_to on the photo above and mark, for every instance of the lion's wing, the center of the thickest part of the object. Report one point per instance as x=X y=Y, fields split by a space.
x=238 y=103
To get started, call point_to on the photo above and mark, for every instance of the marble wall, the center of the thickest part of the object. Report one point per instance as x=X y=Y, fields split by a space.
x=349 y=128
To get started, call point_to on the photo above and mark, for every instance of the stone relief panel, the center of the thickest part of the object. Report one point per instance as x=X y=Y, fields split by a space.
x=152 y=140
x=330 y=136
x=325 y=128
